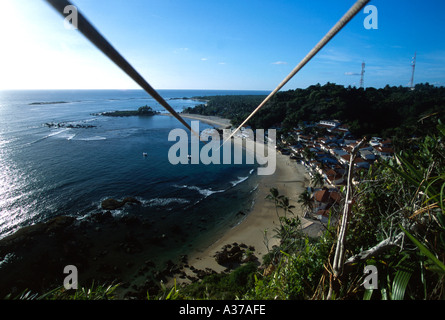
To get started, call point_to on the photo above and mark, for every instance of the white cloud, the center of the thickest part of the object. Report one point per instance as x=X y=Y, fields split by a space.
x=279 y=62
x=352 y=74
x=333 y=55
x=204 y=59
x=179 y=50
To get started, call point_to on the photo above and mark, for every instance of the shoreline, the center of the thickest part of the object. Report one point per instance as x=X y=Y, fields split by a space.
x=289 y=178
x=130 y=250
x=218 y=122
x=290 y=181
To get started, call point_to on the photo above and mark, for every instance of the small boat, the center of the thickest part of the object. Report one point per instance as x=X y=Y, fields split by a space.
x=144 y=154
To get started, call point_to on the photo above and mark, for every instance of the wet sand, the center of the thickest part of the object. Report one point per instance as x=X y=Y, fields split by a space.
x=257 y=229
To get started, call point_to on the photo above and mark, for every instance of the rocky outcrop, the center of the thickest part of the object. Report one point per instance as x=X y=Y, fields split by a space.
x=42 y=228
x=142 y=111
x=234 y=254
x=68 y=125
x=113 y=204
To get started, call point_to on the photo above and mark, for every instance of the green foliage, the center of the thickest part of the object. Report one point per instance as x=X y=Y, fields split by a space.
x=390 y=111
x=236 y=107
x=317 y=179
x=289 y=231
x=406 y=194
x=223 y=286
x=141 y=111
x=305 y=200
x=99 y=292
x=173 y=293
x=95 y=292
x=435 y=264
x=296 y=275
x=297 y=263
x=145 y=110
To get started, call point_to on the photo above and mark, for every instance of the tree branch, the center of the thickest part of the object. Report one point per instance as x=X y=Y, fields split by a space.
x=377 y=249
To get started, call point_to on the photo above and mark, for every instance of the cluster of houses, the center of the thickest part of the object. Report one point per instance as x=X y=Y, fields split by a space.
x=324 y=148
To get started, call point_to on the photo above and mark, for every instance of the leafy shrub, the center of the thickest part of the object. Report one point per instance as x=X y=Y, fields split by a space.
x=223 y=286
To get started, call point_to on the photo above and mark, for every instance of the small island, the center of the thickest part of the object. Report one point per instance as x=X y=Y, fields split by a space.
x=142 y=111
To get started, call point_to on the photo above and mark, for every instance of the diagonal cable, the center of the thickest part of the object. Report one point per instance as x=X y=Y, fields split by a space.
x=334 y=30
x=90 y=32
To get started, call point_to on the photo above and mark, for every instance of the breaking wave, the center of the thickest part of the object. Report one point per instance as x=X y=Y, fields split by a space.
x=162 y=202
x=202 y=191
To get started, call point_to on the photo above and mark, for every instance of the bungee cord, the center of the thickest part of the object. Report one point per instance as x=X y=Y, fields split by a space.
x=334 y=30
x=91 y=33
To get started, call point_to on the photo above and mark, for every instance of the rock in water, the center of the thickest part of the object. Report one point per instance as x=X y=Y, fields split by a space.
x=113 y=204
x=131 y=200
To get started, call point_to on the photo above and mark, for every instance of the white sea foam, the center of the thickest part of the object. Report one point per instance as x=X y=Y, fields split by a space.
x=240 y=179
x=204 y=192
x=161 y=202
x=52 y=134
x=7 y=258
x=95 y=138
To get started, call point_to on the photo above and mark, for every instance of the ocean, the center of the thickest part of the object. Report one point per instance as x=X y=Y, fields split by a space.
x=59 y=157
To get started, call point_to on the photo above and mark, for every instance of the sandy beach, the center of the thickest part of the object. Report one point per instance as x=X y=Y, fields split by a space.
x=290 y=181
x=217 y=122
x=289 y=178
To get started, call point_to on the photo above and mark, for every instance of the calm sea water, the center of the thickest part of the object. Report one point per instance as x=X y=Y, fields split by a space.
x=48 y=171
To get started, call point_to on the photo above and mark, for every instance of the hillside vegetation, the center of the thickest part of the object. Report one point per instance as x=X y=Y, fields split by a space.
x=385 y=112
x=397 y=225
x=396 y=222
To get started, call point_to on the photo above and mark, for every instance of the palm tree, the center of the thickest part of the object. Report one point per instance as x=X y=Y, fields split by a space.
x=284 y=203
x=275 y=196
x=281 y=201
x=306 y=201
x=317 y=179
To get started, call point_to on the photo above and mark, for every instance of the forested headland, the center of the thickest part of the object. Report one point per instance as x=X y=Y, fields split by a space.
x=386 y=112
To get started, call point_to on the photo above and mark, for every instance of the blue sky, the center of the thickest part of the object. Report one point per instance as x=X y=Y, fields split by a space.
x=242 y=44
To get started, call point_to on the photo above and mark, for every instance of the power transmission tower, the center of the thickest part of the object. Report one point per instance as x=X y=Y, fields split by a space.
x=413 y=65
x=362 y=75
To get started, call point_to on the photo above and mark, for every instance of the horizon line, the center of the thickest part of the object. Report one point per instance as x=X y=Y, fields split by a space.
x=192 y=89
